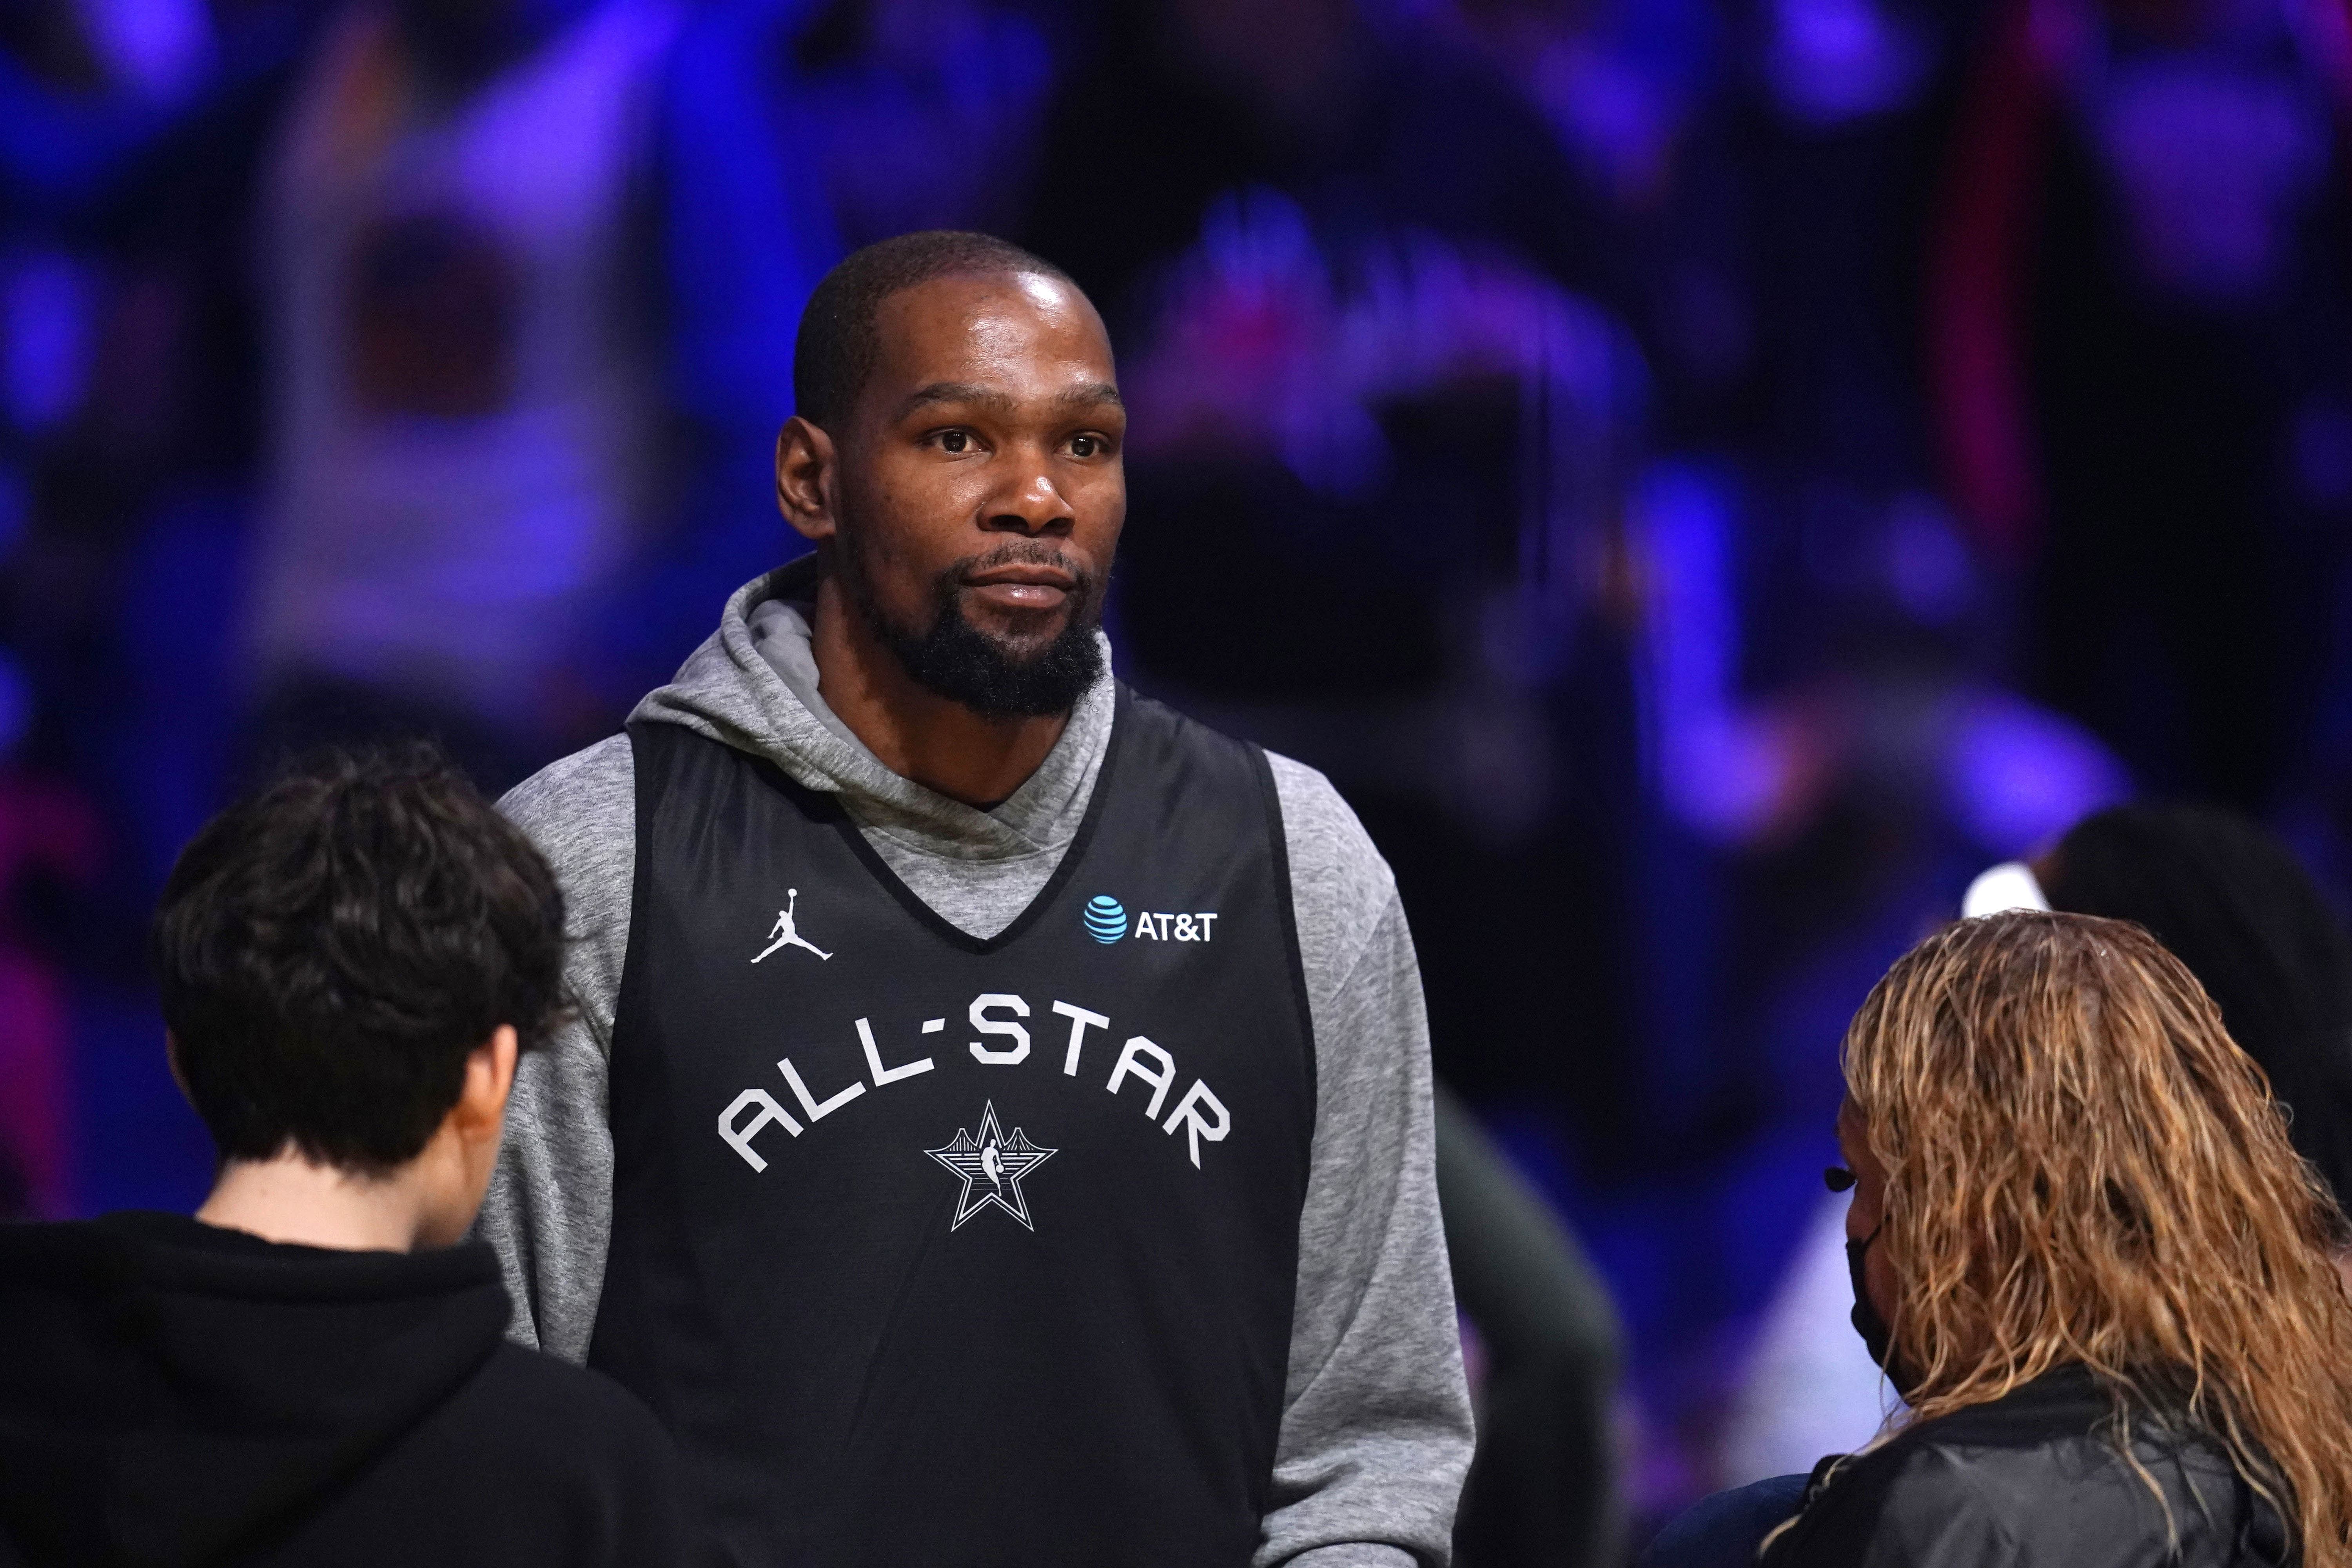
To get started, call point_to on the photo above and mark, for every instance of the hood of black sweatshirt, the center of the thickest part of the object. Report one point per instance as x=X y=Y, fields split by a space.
x=170 y=1391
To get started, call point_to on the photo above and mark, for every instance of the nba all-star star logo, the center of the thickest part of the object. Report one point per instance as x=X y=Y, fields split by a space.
x=990 y=1166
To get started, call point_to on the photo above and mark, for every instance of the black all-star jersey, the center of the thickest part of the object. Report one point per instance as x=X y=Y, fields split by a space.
x=933 y=1250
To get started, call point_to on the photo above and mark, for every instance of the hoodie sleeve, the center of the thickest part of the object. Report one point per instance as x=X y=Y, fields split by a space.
x=1376 y=1430
x=548 y=1213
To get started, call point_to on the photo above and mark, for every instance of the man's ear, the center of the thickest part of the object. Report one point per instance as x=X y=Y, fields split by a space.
x=481 y=1105
x=806 y=479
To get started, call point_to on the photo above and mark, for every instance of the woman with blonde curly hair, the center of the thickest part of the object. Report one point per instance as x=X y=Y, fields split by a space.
x=2089 y=1260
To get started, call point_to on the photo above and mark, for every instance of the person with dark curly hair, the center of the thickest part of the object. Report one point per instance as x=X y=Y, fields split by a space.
x=313 y=1369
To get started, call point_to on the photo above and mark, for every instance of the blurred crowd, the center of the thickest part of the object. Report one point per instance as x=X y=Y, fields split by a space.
x=1705 y=478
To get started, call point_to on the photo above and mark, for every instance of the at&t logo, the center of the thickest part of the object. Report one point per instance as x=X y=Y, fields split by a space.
x=1106 y=918
x=1105 y=921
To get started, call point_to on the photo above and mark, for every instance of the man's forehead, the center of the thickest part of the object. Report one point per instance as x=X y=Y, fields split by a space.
x=989 y=329
x=1079 y=396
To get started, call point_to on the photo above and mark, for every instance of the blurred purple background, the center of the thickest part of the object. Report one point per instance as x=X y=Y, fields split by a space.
x=1703 y=477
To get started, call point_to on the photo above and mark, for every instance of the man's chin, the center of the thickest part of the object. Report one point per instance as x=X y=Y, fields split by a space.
x=1018 y=632
x=1020 y=653
x=1020 y=636
x=1001 y=664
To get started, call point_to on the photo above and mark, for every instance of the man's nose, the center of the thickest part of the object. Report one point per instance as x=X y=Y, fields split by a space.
x=1034 y=506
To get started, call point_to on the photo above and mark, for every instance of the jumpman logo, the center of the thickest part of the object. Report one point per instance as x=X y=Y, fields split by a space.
x=786 y=933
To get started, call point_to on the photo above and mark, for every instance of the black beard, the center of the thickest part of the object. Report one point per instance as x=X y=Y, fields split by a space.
x=956 y=660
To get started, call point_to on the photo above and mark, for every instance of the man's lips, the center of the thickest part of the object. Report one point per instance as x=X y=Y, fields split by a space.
x=1024 y=585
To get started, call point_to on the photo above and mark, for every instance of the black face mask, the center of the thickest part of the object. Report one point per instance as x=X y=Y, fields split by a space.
x=1877 y=1336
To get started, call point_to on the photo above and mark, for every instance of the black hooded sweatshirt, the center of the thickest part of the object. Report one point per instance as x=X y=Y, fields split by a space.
x=174 y=1395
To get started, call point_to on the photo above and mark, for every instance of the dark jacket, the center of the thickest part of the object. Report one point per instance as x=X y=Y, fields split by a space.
x=1542 y=1491
x=173 y=1394
x=2031 y=1480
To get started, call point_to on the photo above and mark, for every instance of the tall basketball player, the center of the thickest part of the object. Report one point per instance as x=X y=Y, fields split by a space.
x=997 y=1122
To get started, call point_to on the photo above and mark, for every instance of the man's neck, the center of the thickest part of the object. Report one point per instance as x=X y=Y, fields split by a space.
x=914 y=732
x=288 y=1199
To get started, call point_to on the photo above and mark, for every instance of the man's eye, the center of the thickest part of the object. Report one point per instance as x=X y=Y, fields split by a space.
x=1086 y=446
x=955 y=441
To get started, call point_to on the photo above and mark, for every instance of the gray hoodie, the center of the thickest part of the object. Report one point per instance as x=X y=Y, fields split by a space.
x=1376 y=1428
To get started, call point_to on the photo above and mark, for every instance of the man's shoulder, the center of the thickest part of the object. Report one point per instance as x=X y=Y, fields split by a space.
x=1331 y=856
x=1332 y=860
x=1341 y=889
x=596 y=782
x=581 y=812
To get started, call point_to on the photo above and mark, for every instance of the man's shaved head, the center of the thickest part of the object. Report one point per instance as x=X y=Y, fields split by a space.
x=955 y=460
x=836 y=349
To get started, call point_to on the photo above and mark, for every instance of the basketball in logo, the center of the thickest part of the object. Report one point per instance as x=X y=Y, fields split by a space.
x=1106 y=918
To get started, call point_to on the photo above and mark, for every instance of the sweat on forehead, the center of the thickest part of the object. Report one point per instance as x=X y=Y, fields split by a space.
x=837 y=347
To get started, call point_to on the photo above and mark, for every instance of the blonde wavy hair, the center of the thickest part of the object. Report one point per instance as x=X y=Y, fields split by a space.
x=2081 y=1167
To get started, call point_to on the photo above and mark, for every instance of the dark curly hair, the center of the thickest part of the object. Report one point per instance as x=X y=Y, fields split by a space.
x=332 y=948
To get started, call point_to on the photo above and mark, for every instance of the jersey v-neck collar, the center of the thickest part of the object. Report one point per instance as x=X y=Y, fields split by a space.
x=938 y=925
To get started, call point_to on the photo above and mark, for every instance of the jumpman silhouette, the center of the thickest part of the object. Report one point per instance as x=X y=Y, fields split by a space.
x=786 y=933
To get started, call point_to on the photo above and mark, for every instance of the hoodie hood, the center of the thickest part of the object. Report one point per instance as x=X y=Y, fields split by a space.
x=753 y=685
x=172 y=1390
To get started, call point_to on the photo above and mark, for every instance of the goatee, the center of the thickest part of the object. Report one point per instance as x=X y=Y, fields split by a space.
x=956 y=660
